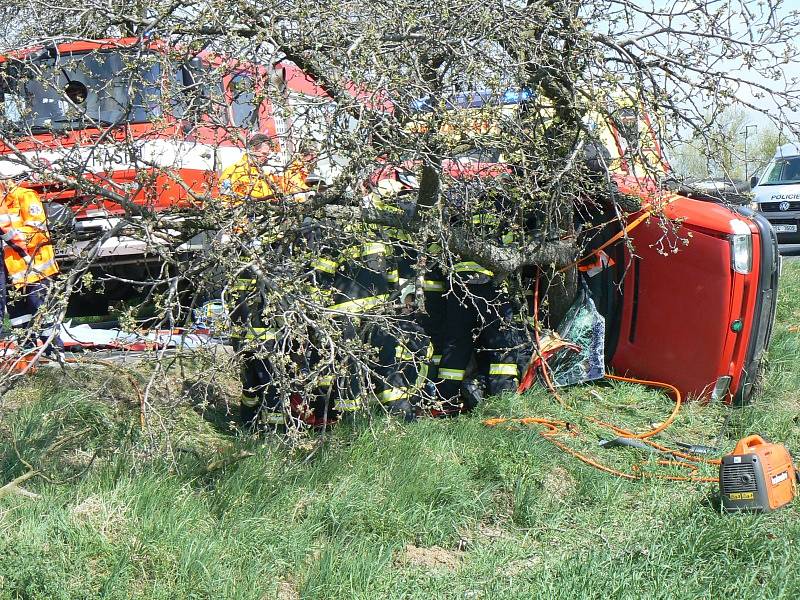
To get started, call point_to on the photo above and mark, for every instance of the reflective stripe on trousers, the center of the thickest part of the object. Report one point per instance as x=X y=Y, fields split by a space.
x=269 y=417
x=431 y=285
x=250 y=401
x=348 y=404
x=394 y=394
x=504 y=369
x=452 y=374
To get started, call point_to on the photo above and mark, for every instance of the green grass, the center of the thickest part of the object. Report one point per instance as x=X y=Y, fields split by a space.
x=489 y=513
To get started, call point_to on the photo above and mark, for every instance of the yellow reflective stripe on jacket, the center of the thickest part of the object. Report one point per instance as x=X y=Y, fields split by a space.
x=403 y=353
x=509 y=369
x=374 y=248
x=325 y=381
x=436 y=359
x=368 y=249
x=325 y=265
x=393 y=276
x=244 y=285
x=35 y=272
x=42 y=267
x=452 y=374
x=422 y=377
x=360 y=305
x=471 y=267
x=430 y=285
x=394 y=394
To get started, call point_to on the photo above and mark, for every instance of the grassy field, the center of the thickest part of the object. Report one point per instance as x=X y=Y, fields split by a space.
x=433 y=509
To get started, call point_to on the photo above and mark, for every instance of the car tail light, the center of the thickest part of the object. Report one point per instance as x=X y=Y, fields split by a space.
x=741 y=247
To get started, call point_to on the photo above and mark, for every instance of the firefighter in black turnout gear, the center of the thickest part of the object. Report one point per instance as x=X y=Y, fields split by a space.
x=363 y=297
x=416 y=334
x=260 y=340
x=479 y=317
x=355 y=282
x=255 y=342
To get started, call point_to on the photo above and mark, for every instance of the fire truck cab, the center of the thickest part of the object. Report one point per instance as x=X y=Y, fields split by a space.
x=122 y=132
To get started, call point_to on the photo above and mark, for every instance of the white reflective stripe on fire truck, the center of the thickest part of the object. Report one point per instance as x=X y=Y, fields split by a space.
x=150 y=154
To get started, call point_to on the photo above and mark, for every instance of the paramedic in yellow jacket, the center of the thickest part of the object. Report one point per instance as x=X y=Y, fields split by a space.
x=261 y=175
x=28 y=255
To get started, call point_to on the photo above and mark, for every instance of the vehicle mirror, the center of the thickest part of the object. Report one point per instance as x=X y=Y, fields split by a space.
x=753 y=181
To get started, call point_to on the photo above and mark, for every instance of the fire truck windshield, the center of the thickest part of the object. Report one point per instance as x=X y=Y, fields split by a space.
x=75 y=91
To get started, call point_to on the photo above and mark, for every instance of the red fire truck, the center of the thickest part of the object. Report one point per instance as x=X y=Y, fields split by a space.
x=122 y=115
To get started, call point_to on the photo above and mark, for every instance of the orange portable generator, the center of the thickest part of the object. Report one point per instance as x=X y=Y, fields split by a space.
x=757 y=476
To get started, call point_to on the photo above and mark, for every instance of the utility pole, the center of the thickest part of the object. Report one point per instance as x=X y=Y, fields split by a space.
x=746 y=133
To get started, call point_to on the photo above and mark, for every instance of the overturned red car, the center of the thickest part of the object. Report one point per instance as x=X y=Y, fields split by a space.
x=688 y=284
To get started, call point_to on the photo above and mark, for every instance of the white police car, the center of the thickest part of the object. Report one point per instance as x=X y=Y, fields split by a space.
x=776 y=193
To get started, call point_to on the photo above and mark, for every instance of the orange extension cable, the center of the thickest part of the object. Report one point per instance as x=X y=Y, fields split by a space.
x=554 y=428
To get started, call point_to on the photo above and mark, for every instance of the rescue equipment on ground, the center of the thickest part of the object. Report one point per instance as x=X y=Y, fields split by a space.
x=77 y=338
x=557 y=430
x=757 y=476
x=548 y=345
